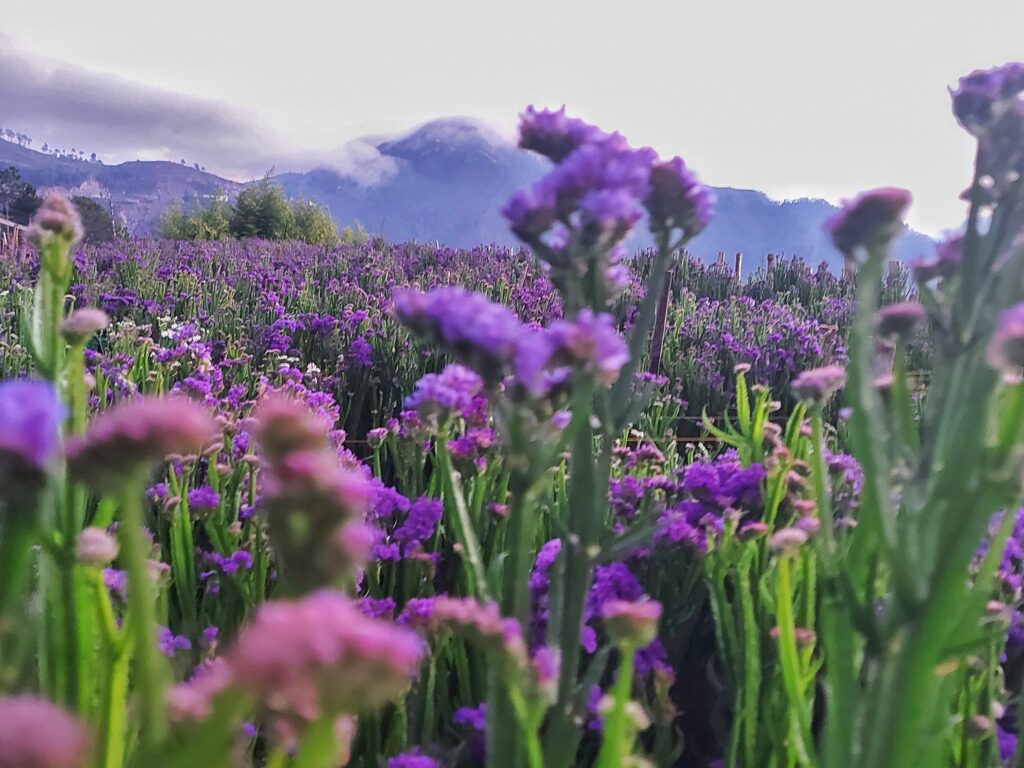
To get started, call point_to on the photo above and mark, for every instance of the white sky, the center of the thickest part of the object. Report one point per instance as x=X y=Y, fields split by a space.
x=818 y=98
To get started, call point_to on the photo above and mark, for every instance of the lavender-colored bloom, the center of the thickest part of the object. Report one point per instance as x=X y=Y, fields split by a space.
x=171 y=643
x=677 y=199
x=634 y=622
x=37 y=734
x=440 y=395
x=472 y=717
x=1005 y=350
x=30 y=417
x=483 y=334
x=127 y=439
x=948 y=255
x=819 y=383
x=870 y=220
x=531 y=213
x=553 y=134
x=978 y=99
x=203 y=499
x=94 y=546
x=83 y=324
x=56 y=221
x=420 y=522
x=900 y=319
x=413 y=759
x=592 y=341
x=320 y=655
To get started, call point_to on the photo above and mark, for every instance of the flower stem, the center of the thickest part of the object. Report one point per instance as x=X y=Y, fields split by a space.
x=615 y=746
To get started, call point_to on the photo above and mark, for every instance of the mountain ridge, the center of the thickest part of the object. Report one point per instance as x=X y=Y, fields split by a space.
x=443 y=181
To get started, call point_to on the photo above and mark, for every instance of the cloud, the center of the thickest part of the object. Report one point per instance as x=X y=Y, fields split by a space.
x=359 y=160
x=117 y=118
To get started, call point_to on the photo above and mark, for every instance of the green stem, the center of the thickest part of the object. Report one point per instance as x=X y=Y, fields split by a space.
x=819 y=477
x=791 y=668
x=150 y=667
x=615 y=746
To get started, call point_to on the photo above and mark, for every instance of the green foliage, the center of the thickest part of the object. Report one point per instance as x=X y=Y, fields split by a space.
x=262 y=211
x=355 y=234
x=210 y=222
x=99 y=226
x=18 y=199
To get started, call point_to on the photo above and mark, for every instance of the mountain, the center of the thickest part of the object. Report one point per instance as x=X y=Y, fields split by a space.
x=138 y=192
x=444 y=181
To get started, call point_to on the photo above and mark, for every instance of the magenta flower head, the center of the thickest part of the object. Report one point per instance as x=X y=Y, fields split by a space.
x=788 y=540
x=982 y=95
x=531 y=212
x=948 y=255
x=56 y=222
x=30 y=417
x=553 y=134
x=95 y=547
x=591 y=341
x=127 y=440
x=37 y=734
x=439 y=396
x=819 y=384
x=284 y=425
x=871 y=220
x=677 y=199
x=413 y=759
x=319 y=655
x=83 y=324
x=899 y=320
x=481 y=333
x=1005 y=350
x=632 y=622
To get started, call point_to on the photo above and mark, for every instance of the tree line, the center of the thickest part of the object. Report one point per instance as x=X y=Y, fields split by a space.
x=262 y=211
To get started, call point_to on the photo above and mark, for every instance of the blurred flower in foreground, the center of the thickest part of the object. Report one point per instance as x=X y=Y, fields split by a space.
x=37 y=734
x=870 y=220
x=30 y=416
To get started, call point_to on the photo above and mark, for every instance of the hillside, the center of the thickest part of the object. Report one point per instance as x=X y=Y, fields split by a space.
x=138 y=191
x=445 y=181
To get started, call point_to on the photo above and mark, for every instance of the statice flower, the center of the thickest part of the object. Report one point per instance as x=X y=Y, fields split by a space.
x=56 y=221
x=439 y=396
x=82 y=324
x=899 y=320
x=319 y=655
x=95 y=547
x=592 y=342
x=127 y=440
x=30 y=417
x=171 y=643
x=553 y=134
x=1005 y=350
x=870 y=220
x=948 y=255
x=540 y=583
x=203 y=499
x=677 y=199
x=413 y=759
x=818 y=384
x=469 y=325
x=37 y=734
x=631 y=622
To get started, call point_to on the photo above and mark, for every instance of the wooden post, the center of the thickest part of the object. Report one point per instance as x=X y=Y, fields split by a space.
x=660 y=320
x=739 y=266
x=771 y=262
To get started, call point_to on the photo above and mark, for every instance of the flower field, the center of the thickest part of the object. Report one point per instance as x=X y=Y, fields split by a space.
x=275 y=504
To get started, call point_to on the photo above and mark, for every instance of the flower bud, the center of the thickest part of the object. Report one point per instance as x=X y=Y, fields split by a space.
x=632 y=622
x=818 y=384
x=95 y=547
x=83 y=324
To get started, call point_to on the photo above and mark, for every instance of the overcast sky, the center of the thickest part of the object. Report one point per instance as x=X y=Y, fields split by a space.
x=818 y=98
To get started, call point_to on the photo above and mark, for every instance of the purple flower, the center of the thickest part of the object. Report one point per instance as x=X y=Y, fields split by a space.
x=677 y=199
x=30 y=417
x=553 y=134
x=203 y=499
x=171 y=643
x=413 y=759
x=441 y=395
x=56 y=221
x=819 y=383
x=37 y=734
x=900 y=319
x=592 y=341
x=870 y=220
x=472 y=717
x=1005 y=350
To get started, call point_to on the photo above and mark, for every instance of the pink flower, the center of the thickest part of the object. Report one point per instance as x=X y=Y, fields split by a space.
x=37 y=734
x=320 y=654
x=128 y=439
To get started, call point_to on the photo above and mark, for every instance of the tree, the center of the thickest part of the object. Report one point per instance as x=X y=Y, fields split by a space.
x=262 y=211
x=18 y=198
x=46 y=148
x=99 y=227
x=312 y=224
